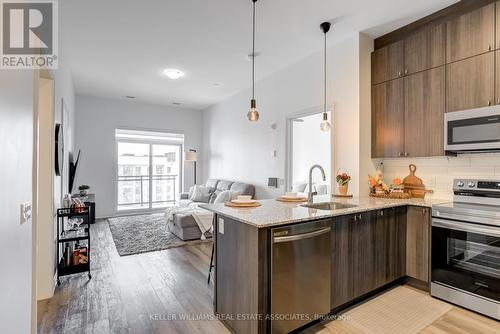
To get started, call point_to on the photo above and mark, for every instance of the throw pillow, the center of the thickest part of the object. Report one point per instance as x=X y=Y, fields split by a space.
x=200 y=194
x=225 y=196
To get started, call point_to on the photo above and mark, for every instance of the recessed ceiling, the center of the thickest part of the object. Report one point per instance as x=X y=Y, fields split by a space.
x=117 y=48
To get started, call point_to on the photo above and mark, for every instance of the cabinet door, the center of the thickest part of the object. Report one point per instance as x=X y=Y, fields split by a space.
x=470 y=83
x=390 y=245
x=471 y=34
x=417 y=243
x=387 y=62
x=497 y=73
x=342 y=261
x=364 y=254
x=388 y=119
x=425 y=49
x=425 y=105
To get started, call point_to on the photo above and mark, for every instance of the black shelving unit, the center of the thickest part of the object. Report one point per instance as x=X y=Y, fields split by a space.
x=65 y=236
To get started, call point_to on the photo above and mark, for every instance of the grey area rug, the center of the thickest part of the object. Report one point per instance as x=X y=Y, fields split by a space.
x=144 y=233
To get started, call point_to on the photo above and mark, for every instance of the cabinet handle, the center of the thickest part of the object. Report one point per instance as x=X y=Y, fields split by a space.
x=406 y=154
x=355 y=218
x=489 y=102
x=359 y=217
x=381 y=213
x=498 y=101
x=406 y=71
x=399 y=74
x=489 y=47
x=399 y=154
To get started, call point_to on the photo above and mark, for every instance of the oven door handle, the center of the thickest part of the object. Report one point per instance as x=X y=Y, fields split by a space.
x=472 y=228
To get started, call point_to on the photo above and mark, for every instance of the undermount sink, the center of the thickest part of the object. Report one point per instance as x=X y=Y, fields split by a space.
x=329 y=206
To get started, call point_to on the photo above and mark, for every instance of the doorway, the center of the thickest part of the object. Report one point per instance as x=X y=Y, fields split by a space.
x=307 y=146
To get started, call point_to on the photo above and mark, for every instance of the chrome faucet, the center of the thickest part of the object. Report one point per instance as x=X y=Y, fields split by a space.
x=311 y=194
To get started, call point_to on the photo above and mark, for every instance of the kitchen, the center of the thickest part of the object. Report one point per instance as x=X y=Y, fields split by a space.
x=433 y=95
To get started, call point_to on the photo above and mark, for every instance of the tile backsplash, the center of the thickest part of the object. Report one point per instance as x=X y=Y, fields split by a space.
x=438 y=173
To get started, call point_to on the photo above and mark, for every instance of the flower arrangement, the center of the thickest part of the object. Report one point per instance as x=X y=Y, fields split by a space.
x=377 y=184
x=343 y=179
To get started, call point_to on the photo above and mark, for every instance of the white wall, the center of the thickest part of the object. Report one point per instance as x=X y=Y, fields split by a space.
x=236 y=149
x=16 y=165
x=310 y=147
x=96 y=121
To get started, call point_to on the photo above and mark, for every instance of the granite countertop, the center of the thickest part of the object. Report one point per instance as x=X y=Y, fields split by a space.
x=273 y=213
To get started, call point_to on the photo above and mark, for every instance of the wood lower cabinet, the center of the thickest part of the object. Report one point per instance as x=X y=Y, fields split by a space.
x=470 y=83
x=417 y=242
x=425 y=49
x=471 y=34
x=368 y=252
x=387 y=63
x=425 y=106
x=388 y=105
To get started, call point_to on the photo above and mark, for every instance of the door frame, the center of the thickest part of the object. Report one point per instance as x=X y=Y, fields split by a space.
x=289 y=142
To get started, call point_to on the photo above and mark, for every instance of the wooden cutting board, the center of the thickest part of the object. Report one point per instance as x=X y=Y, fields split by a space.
x=412 y=180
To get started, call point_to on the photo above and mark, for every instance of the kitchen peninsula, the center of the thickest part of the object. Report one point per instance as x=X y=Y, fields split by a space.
x=293 y=264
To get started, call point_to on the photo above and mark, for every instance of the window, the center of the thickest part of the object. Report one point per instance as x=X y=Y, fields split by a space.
x=149 y=172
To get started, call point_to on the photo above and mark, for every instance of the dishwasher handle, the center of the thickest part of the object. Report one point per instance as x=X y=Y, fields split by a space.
x=301 y=236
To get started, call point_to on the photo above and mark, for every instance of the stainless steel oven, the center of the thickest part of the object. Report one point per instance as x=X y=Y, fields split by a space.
x=475 y=130
x=465 y=247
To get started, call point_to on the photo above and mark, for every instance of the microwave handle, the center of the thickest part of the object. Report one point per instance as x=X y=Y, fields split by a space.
x=472 y=228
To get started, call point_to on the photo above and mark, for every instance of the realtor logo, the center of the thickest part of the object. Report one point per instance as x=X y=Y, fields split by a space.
x=29 y=34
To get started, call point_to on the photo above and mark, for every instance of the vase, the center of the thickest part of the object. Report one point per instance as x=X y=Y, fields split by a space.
x=343 y=189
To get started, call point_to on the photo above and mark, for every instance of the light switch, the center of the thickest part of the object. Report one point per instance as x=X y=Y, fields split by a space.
x=221 y=226
x=25 y=212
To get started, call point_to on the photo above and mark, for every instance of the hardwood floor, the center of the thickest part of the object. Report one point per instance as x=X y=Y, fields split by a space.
x=135 y=294
x=147 y=293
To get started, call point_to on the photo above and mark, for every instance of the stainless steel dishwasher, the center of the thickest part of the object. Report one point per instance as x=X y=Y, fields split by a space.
x=300 y=274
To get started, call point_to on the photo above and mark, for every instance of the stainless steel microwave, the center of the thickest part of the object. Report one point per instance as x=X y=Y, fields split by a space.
x=474 y=130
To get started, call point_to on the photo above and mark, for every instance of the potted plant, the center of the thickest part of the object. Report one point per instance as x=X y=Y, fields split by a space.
x=83 y=189
x=343 y=179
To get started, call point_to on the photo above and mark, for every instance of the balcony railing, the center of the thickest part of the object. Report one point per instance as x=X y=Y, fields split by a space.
x=142 y=181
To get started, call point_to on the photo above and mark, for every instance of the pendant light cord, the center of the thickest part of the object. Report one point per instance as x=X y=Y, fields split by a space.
x=253 y=52
x=325 y=77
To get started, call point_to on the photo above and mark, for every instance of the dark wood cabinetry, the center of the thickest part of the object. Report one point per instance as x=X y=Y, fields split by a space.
x=368 y=252
x=417 y=243
x=471 y=34
x=470 y=83
x=425 y=99
x=425 y=49
x=388 y=119
x=387 y=63
x=448 y=63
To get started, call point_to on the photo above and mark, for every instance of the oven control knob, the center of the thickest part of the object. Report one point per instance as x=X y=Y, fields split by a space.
x=472 y=184
x=460 y=184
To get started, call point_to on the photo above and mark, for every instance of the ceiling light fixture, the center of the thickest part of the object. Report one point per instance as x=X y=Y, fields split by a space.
x=173 y=73
x=253 y=114
x=325 y=125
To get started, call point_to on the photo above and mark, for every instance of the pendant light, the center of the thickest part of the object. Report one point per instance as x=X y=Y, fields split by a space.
x=325 y=125
x=253 y=114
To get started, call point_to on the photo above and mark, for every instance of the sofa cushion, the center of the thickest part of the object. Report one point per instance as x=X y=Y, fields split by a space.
x=243 y=188
x=225 y=196
x=221 y=186
x=200 y=194
x=212 y=184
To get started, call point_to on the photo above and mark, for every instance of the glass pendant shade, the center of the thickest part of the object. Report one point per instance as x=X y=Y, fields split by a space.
x=253 y=114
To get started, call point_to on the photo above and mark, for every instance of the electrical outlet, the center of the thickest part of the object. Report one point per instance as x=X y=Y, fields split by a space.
x=221 y=226
x=25 y=212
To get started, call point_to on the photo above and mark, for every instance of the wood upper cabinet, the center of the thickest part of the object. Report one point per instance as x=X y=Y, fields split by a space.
x=425 y=49
x=471 y=34
x=497 y=42
x=388 y=105
x=417 y=242
x=425 y=106
x=497 y=76
x=470 y=83
x=387 y=63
